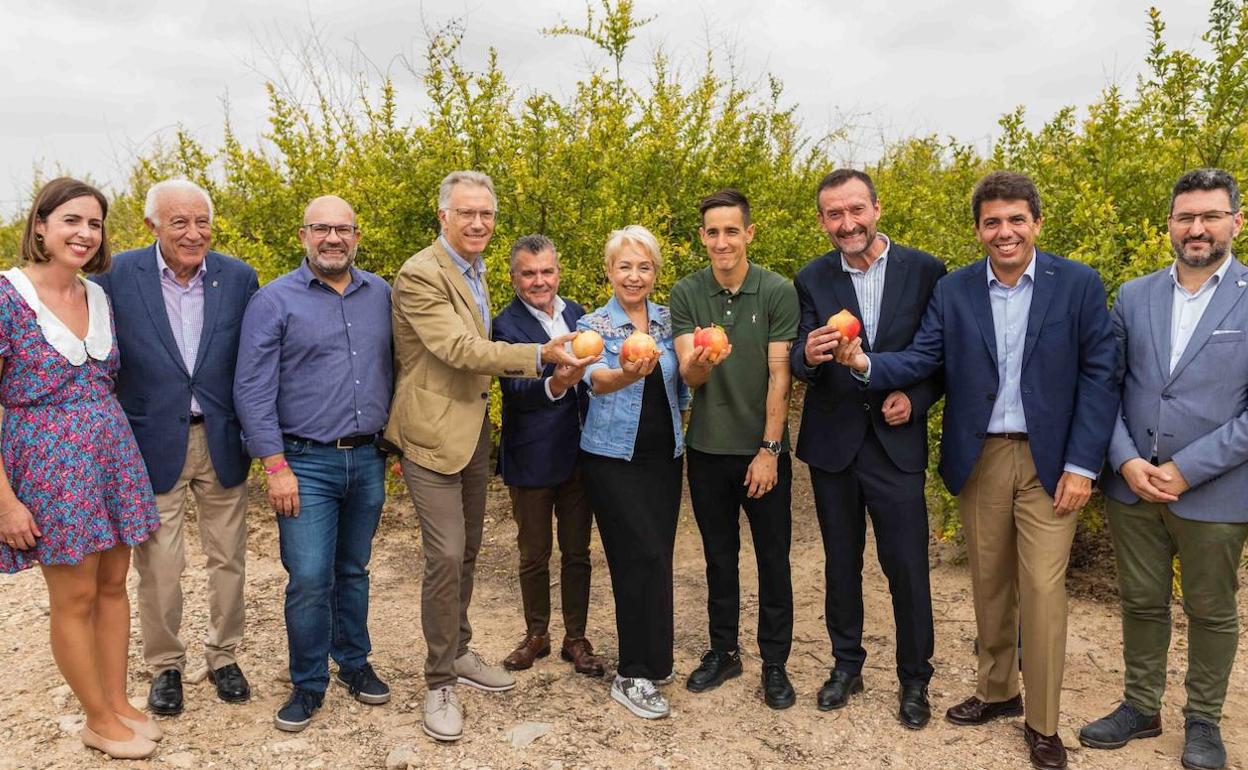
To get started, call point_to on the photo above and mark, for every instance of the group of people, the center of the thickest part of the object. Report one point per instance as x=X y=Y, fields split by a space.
x=113 y=420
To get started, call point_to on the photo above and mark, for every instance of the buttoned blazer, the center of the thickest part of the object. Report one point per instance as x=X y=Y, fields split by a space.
x=837 y=408
x=443 y=363
x=154 y=386
x=1196 y=414
x=1069 y=395
x=540 y=437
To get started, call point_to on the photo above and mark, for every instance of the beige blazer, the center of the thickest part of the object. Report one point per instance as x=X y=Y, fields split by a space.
x=443 y=363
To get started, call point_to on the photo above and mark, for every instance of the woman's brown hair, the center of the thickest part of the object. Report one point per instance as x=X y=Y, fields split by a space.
x=52 y=196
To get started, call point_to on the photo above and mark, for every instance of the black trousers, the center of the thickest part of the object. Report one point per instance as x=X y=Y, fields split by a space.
x=636 y=504
x=872 y=485
x=718 y=495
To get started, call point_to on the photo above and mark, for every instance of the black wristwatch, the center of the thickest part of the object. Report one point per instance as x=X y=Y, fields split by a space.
x=773 y=447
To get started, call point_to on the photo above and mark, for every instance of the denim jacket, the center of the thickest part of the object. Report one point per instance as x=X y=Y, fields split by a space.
x=611 y=424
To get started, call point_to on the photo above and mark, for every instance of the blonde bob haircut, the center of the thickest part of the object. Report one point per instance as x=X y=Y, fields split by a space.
x=639 y=238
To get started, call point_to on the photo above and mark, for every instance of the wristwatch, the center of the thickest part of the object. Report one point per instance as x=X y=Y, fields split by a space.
x=773 y=447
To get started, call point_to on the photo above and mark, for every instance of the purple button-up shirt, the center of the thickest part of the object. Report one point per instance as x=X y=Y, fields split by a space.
x=312 y=362
x=185 y=307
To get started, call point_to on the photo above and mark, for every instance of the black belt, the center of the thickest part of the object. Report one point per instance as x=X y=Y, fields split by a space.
x=1007 y=436
x=346 y=442
x=196 y=419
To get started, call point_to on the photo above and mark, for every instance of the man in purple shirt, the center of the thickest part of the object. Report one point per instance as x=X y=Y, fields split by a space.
x=177 y=306
x=313 y=391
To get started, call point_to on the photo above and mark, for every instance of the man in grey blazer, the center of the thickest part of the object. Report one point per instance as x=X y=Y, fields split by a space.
x=1177 y=479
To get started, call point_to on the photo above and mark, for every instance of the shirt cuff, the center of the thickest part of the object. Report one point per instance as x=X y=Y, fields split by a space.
x=551 y=396
x=1071 y=468
x=538 y=366
x=264 y=444
x=863 y=377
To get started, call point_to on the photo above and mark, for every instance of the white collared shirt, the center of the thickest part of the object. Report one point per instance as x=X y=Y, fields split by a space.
x=554 y=326
x=1188 y=308
x=869 y=287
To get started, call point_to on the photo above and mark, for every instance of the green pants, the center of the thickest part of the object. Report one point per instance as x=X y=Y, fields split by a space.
x=1147 y=536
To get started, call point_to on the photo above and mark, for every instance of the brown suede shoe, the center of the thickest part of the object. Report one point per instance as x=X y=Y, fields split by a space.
x=580 y=653
x=1047 y=751
x=530 y=649
x=974 y=711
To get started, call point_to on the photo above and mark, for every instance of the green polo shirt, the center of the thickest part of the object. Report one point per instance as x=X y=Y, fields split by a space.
x=730 y=409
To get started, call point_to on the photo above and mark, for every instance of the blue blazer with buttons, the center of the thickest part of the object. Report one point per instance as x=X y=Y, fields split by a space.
x=155 y=388
x=1069 y=392
x=540 y=437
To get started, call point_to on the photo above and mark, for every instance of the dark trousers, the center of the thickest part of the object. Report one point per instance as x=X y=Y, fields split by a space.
x=636 y=504
x=531 y=507
x=718 y=494
x=872 y=485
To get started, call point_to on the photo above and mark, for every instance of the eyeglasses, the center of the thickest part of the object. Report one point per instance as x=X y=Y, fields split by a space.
x=321 y=230
x=1207 y=218
x=467 y=215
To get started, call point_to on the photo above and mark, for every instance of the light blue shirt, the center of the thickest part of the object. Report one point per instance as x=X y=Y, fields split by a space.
x=869 y=288
x=474 y=275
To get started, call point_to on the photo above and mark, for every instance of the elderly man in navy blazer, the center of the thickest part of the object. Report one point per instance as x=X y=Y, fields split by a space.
x=1029 y=355
x=177 y=306
x=1177 y=476
x=538 y=460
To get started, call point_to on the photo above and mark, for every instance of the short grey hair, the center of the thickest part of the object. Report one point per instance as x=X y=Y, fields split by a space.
x=532 y=244
x=152 y=202
x=633 y=235
x=463 y=177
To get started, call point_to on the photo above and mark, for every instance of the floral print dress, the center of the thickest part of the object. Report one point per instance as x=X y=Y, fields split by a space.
x=68 y=450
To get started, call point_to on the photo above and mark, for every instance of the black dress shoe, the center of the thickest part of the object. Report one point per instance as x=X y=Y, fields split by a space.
x=915 y=711
x=974 y=711
x=777 y=689
x=1202 y=745
x=836 y=691
x=1047 y=751
x=1125 y=724
x=231 y=685
x=165 y=697
x=717 y=667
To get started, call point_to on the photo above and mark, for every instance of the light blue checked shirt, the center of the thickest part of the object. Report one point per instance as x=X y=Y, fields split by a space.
x=869 y=286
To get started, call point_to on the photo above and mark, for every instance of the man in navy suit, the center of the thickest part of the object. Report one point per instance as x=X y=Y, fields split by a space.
x=537 y=457
x=177 y=307
x=1029 y=356
x=867 y=450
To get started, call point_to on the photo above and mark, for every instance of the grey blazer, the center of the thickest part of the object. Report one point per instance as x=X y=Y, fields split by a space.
x=1197 y=414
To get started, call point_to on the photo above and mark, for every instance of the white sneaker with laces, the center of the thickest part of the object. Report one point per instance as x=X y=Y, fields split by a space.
x=639 y=696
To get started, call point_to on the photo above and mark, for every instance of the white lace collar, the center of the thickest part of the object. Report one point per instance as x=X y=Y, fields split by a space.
x=99 y=341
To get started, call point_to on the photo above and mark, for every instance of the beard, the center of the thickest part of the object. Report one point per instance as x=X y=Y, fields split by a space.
x=1217 y=250
x=336 y=267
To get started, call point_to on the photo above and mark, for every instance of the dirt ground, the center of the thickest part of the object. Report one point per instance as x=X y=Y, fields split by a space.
x=576 y=723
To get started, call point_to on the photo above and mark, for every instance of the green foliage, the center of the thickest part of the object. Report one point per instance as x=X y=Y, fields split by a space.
x=614 y=153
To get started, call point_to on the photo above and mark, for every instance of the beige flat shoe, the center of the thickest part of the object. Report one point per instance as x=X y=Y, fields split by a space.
x=148 y=728
x=137 y=747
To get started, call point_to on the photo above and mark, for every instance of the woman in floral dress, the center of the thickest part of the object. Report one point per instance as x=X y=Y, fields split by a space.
x=74 y=495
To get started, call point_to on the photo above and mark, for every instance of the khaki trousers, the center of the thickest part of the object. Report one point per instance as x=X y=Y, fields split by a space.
x=1018 y=551
x=452 y=511
x=161 y=559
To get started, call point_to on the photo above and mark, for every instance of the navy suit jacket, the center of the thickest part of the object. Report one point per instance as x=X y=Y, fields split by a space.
x=540 y=437
x=155 y=388
x=838 y=408
x=1069 y=393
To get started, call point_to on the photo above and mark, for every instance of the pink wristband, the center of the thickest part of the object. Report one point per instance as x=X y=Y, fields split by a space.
x=269 y=470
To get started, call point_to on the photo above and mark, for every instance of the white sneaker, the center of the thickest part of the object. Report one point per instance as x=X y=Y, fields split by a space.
x=665 y=681
x=444 y=716
x=474 y=672
x=640 y=697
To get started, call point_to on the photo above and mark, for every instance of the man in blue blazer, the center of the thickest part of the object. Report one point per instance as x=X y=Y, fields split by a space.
x=537 y=457
x=1028 y=352
x=867 y=450
x=177 y=307
x=1177 y=476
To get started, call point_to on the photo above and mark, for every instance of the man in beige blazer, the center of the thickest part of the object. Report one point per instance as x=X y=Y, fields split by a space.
x=444 y=362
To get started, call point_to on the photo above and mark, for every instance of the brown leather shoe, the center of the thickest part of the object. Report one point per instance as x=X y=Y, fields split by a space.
x=580 y=653
x=530 y=649
x=1047 y=751
x=974 y=711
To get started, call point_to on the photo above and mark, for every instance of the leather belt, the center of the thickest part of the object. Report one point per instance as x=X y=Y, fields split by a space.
x=1007 y=436
x=346 y=442
x=196 y=419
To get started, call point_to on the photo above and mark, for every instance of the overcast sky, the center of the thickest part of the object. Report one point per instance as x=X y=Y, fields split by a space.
x=87 y=83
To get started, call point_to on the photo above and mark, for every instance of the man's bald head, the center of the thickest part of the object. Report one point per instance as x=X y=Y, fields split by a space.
x=329 y=235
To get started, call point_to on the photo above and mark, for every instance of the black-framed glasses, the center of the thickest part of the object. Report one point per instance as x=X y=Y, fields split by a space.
x=322 y=230
x=1207 y=218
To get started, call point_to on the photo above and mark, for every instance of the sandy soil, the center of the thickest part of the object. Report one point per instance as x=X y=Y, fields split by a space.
x=579 y=725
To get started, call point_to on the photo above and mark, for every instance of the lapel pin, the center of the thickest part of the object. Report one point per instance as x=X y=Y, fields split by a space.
x=214 y=284
x=1241 y=284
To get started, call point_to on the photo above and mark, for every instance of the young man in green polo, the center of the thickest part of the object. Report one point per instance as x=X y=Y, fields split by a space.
x=737 y=442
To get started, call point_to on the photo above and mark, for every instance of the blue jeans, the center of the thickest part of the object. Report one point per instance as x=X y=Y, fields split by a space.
x=325 y=550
